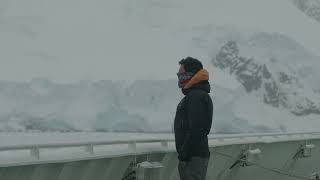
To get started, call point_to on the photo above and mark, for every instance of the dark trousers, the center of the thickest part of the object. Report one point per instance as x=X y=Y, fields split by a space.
x=195 y=169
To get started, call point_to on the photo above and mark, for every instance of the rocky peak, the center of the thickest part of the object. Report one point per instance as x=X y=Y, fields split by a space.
x=278 y=89
x=309 y=7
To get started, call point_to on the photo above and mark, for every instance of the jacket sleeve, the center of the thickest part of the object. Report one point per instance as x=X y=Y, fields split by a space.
x=196 y=108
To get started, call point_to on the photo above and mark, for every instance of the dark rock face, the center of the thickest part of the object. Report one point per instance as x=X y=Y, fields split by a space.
x=227 y=56
x=258 y=77
x=246 y=71
x=309 y=7
x=271 y=95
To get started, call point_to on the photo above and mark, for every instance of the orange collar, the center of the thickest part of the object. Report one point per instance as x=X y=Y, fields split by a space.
x=202 y=75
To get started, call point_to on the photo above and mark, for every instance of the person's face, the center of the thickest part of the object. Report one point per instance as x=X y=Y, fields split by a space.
x=181 y=69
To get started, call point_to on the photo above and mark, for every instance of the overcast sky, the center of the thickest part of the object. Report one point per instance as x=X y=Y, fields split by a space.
x=70 y=40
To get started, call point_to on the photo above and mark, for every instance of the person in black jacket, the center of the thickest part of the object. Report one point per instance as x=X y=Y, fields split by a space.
x=193 y=120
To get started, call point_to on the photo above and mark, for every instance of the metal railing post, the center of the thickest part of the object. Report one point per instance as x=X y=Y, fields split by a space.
x=34 y=152
x=165 y=144
x=133 y=146
x=89 y=149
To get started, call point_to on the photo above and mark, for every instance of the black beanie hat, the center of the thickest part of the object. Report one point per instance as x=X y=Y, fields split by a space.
x=191 y=64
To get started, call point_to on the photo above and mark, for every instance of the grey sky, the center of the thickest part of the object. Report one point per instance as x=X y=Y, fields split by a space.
x=69 y=40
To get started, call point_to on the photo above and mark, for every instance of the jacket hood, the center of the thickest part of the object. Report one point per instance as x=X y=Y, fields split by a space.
x=202 y=75
x=202 y=85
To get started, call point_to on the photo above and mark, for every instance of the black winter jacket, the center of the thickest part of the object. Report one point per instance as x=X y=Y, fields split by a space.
x=193 y=122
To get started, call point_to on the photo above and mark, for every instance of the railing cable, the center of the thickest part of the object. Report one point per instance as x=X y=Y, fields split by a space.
x=274 y=170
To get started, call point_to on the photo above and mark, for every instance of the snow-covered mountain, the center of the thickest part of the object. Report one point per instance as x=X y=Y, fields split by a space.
x=277 y=83
x=262 y=55
x=87 y=106
x=258 y=93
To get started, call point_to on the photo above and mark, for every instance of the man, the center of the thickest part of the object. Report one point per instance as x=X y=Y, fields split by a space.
x=193 y=120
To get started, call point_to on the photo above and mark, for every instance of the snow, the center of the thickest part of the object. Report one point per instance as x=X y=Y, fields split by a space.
x=223 y=79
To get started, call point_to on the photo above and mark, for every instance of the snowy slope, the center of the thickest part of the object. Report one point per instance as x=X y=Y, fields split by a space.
x=42 y=105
